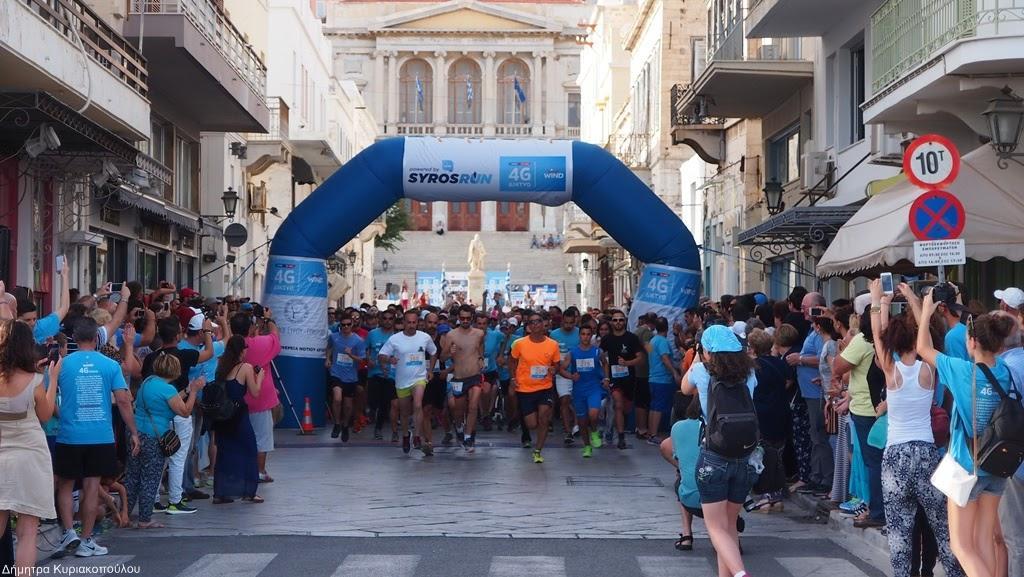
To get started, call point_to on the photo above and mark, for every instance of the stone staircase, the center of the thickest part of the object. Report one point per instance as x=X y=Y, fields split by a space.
x=425 y=251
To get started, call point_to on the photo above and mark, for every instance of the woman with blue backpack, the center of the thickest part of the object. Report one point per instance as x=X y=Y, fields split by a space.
x=724 y=382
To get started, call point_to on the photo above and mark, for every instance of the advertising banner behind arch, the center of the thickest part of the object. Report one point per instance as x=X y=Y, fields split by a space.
x=666 y=291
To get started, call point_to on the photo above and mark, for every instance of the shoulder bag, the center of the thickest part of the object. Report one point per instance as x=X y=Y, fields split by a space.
x=169 y=442
x=1001 y=450
x=949 y=477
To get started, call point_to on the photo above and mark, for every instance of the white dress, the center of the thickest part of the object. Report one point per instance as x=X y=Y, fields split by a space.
x=26 y=472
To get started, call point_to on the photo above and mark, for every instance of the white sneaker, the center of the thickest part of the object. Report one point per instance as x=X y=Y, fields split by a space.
x=68 y=543
x=89 y=548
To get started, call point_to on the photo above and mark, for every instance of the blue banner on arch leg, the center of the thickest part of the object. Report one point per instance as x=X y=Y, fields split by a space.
x=666 y=291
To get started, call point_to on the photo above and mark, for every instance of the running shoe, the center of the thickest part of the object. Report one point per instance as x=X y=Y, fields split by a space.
x=595 y=439
x=406 y=444
x=394 y=436
x=575 y=430
x=335 y=431
x=569 y=440
x=852 y=505
x=428 y=449
x=537 y=457
x=90 y=548
x=622 y=442
x=447 y=440
x=470 y=445
x=68 y=544
x=588 y=452
x=378 y=435
x=652 y=440
x=344 y=434
x=180 y=509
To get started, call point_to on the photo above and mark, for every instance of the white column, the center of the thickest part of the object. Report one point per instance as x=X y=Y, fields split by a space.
x=556 y=94
x=392 y=93
x=440 y=92
x=489 y=104
x=488 y=216
x=536 y=78
x=379 y=88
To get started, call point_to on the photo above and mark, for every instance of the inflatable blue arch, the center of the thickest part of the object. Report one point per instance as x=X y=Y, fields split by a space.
x=428 y=169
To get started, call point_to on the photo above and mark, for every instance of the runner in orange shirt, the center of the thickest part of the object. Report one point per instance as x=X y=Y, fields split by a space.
x=533 y=363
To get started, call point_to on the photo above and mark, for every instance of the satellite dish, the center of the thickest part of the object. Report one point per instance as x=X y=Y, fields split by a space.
x=235 y=235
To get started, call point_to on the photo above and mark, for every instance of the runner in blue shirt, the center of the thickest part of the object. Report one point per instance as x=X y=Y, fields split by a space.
x=345 y=351
x=492 y=346
x=587 y=367
x=383 y=397
x=568 y=337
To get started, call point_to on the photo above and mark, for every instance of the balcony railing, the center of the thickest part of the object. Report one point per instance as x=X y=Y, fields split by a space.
x=465 y=129
x=572 y=132
x=108 y=48
x=218 y=29
x=684 y=114
x=908 y=33
x=415 y=129
x=513 y=130
x=732 y=44
x=278 y=128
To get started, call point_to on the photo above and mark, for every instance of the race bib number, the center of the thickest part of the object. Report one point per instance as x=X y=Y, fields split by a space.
x=584 y=365
x=619 y=371
x=344 y=360
x=538 y=372
x=414 y=360
x=457 y=387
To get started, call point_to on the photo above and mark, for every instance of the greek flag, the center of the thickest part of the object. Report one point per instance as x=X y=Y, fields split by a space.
x=520 y=94
x=469 y=92
x=419 y=94
x=444 y=284
x=508 y=283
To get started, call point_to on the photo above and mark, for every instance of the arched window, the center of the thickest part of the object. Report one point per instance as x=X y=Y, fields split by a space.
x=417 y=94
x=513 y=92
x=464 y=92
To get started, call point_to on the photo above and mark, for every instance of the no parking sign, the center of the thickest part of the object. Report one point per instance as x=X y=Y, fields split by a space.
x=937 y=218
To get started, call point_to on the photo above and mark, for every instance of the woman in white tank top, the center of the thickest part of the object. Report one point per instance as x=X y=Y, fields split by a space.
x=910 y=455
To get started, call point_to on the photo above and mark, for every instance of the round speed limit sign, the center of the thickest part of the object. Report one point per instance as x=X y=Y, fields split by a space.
x=931 y=161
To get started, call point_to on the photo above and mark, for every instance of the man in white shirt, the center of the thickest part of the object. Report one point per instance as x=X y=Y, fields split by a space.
x=413 y=355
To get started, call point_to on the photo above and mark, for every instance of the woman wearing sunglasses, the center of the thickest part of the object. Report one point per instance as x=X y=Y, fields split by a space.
x=972 y=528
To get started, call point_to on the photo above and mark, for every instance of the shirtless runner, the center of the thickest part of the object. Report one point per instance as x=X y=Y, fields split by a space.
x=465 y=346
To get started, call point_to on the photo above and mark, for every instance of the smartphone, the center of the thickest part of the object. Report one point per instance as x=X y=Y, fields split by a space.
x=887 y=283
x=59 y=265
x=817 y=311
x=141 y=313
x=257 y=369
x=53 y=354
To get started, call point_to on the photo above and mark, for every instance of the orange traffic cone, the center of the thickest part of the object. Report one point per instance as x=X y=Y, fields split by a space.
x=307 y=419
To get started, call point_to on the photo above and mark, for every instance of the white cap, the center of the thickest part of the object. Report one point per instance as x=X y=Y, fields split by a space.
x=513 y=321
x=197 y=320
x=740 y=328
x=1013 y=297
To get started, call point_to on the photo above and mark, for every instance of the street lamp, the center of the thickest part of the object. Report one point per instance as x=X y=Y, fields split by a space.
x=586 y=264
x=230 y=200
x=773 y=196
x=1005 y=115
x=384 y=265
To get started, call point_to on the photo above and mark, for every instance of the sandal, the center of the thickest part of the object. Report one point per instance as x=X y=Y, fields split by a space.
x=265 y=478
x=150 y=525
x=764 y=504
x=684 y=543
x=222 y=500
x=255 y=499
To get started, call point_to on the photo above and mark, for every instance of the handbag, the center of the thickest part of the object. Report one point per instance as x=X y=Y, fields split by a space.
x=1002 y=444
x=949 y=477
x=169 y=442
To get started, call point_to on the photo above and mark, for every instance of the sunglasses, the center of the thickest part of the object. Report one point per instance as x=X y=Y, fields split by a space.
x=534 y=321
x=346 y=324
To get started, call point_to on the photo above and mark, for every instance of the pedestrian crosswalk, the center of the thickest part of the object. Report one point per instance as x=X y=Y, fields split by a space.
x=366 y=565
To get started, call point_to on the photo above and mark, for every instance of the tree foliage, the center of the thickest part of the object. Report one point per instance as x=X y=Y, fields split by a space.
x=396 y=221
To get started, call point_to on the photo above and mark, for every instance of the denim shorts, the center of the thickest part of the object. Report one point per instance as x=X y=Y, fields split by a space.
x=723 y=479
x=989 y=484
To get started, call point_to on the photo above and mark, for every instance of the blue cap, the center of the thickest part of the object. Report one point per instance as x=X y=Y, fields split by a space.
x=720 y=339
x=760 y=299
x=443 y=329
x=246 y=307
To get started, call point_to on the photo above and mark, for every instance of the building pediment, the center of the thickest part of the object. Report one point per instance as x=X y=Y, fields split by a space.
x=466 y=16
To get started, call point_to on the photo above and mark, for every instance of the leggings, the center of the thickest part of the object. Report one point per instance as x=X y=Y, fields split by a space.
x=801 y=439
x=841 y=465
x=142 y=477
x=906 y=484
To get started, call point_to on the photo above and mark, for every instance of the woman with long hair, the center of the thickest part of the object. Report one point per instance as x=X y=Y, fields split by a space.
x=236 y=472
x=910 y=455
x=25 y=458
x=724 y=482
x=972 y=528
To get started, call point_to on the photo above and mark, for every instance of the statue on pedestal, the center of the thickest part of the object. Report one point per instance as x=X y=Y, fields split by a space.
x=476 y=254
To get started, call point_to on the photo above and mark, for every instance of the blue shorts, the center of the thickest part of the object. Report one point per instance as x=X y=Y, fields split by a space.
x=988 y=484
x=723 y=479
x=585 y=399
x=661 y=396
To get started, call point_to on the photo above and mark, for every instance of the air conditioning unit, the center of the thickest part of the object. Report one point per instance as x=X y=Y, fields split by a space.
x=815 y=167
x=258 y=198
x=768 y=52
x=887 y=148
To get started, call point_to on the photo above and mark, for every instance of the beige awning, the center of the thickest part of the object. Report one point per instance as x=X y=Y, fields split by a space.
x=879 y=235
x=582 y=245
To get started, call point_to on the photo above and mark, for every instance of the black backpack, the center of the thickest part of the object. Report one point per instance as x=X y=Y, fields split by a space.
x=216 y=405
x=1001 y=446
x=730 y=429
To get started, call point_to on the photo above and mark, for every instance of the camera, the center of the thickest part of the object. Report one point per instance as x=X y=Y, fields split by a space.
x=944 y=293
x=257 y=310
